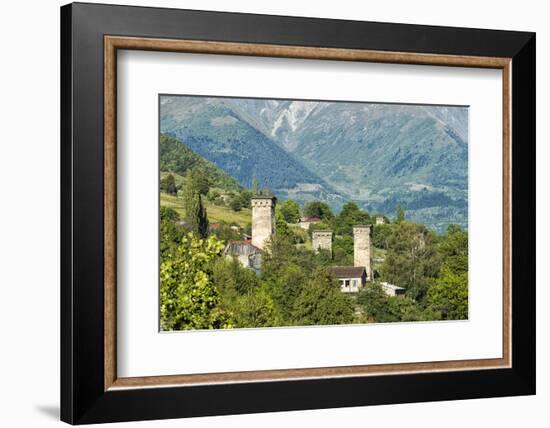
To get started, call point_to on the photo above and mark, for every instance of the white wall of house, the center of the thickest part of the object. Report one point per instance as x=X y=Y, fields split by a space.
x=350 y=285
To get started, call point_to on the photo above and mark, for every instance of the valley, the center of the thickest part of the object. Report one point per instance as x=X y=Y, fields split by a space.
x=378 y=155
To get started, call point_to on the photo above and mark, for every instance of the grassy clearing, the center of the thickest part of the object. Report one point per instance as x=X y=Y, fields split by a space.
x=215 y=213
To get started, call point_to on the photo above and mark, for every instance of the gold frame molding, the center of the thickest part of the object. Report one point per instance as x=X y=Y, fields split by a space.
x=113 y=43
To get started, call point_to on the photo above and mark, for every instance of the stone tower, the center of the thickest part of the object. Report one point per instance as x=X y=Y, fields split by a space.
x=362 y=248
x=263 y=219
x=322 y=240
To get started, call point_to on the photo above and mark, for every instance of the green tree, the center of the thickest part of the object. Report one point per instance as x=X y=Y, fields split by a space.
x=215 y=196
x=284 y=282
x=379 y=307
x=255 y=309
x=246 y=197
x=349 y=216
x=323 y=225
x=399 y=214
x=199 y=181
x=168 y=185
x=299 y=235
x=281 y=226
x=454 y=249
x=290 y=211
x=375 y=304
x=342 y=250
x=195 y=213
x=381 y=235
x=233 y=279
x=236 y=202
x=285 y=271
x=412 y=260
x=168 y=214
x=285 y=288
x=188 y=297
x=318 y=209
x=449 y=294
x=321 y=302
x=170 y=233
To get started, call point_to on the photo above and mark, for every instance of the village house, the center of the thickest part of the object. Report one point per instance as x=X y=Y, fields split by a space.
x=351 y=278
x=247 y=254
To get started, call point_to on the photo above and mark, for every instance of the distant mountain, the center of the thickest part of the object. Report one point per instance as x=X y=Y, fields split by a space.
x=176 y=157
x=379 y=155
x=216 y=131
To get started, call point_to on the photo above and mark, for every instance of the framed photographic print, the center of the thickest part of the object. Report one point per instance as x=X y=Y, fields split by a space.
x=266 y=213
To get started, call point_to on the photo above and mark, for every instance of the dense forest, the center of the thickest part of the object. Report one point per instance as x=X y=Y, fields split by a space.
x=178 y=159
x=202 y=289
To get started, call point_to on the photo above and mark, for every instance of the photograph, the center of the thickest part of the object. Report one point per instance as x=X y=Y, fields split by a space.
x=290 y=212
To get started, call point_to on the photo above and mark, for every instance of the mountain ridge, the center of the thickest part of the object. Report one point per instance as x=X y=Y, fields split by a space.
x=378 y=155
x=219 y=134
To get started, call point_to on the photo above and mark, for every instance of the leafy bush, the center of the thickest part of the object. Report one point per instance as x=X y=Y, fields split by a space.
x=188 y=297
x=290 y=211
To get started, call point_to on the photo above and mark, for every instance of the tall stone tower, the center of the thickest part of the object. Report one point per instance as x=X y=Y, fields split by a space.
x=263 y=219
x=362 y=248
x=322 y=240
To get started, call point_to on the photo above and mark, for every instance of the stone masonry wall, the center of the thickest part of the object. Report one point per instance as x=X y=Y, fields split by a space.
x=362 y=248
x=322 y=239
x=263 y=220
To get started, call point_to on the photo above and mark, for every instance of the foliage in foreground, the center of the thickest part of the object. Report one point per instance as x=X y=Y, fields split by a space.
x=189 y=299
x=449 y=294
x=379 y=307
x=201 y=289
x=412 y=260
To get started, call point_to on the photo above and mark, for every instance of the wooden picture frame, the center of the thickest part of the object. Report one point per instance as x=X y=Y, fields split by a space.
x=91 y=390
